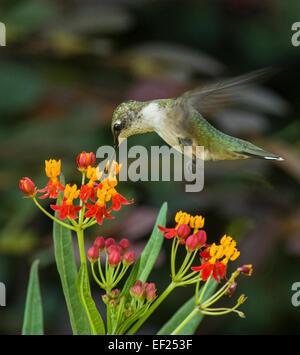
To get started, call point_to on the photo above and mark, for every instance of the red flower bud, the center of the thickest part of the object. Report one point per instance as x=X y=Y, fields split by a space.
x=138 y=283
x=124 y=244
x=99 y=243
x=93 y=253
x=183 y=231
x=201 y=234
x=115 y=293
x=109 y=242
x=114 y=258
x=114 y=247
x=84 y=160
x=151 y=286
x=27 y=186
x=129 y=258
x=137 y=291
x=150 y=295
x=192 y=243
x=246 y=270
x=231 y=290
x=105 y=298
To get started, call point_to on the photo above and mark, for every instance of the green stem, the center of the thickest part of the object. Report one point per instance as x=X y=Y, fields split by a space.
x=185 y=321
x=81 y=213
x=100 y=271
x=52 y=217
x=204 y=290
x=138 y=324
x=95 y=276
x=180 y=271
x=81 y=246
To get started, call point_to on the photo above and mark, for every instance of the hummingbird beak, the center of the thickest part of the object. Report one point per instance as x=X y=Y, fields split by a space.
x=116 y=141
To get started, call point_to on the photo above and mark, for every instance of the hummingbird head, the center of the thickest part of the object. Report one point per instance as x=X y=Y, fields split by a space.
x=127 y=120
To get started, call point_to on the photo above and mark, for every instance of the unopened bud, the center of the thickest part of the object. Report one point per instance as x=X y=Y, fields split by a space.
x=202 y=237
x=183 y=231
x=129 y=258
x=114 y=247
x=124 y=244
x=27 y=186
x=105 y=298
x=136 y=291
x=99 y=243
x=231 y=290
x=150 y=295
x=84 y=160
x=93 y=254
x=192 y=243
x=114 y=258
x=246 y=270
x=115 y=293
x=109 y=242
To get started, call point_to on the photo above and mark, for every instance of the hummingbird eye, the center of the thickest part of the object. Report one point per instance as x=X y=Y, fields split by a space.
x=117 y=127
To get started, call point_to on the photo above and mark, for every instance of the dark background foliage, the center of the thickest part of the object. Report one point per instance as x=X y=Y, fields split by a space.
x=68 y=64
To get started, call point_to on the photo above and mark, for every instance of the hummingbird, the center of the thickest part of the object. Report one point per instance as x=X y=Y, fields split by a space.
x=181 y=121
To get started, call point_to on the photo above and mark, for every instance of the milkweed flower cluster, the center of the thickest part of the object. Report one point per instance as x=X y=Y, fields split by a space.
x=114 y=255
x=214 y=259
x=94 y=196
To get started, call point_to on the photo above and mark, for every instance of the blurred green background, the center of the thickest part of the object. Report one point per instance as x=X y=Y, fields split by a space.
x=68 y=64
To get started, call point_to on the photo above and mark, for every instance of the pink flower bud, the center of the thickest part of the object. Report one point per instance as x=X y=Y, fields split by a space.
x=129 y=258
x=150 y=295
x=105 y=298
x=115 y=293
x=183 y=231
x=138 y=283
x=93 y=253
x=109 y=242
x=114 y=258
x=137 y=291
x=124 y=244
x=114 y=247
x=99 y=243
x=192 y=243
x=201 y=234
x=151 y=286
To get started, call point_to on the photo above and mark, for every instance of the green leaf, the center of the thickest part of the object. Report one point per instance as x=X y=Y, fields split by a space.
x=65 y=262
x=152 y=249
x=131 y=278
x=184 y=311
x=95 y=320
x=33 y=317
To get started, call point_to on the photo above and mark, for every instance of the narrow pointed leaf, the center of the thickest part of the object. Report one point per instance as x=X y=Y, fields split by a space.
x=184 y=311
x=94 y=317
x=33 y=317
x=152 y=249
x=65 y=262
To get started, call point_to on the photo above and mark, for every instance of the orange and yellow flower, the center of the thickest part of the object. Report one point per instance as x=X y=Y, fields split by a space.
x=106 y=192
x=98 y=210
x=54 y=186
x=67 y=208
x=214 y=266
x=183 y=218
x=89 y=190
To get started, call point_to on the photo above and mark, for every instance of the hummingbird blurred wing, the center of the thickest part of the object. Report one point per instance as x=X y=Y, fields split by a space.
x=210 y=98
